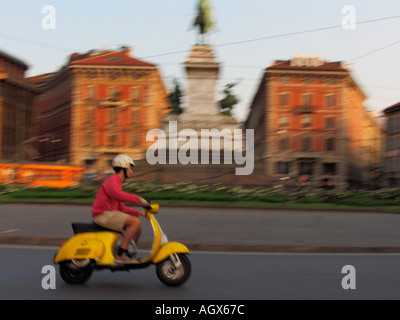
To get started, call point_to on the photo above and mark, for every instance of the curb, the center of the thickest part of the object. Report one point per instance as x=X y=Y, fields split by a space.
x=209 y=206
x=215 y=247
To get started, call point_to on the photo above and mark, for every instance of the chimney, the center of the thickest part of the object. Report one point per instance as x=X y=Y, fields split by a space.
x=128 y=50
x=300 y=60
x=297 y=61
x=314 y=61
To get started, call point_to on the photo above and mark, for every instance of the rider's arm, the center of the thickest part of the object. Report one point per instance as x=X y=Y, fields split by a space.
x=113 y=189
x=133 y=212
x=141 y=202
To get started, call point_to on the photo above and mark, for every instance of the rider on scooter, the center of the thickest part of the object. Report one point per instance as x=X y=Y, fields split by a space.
x=110 y=212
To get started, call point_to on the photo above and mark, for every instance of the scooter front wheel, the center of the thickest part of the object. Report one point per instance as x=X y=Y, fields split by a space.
x=73 y=274
x=172 y=275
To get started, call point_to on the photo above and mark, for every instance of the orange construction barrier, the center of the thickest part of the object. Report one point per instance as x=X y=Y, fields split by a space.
x=41 y=175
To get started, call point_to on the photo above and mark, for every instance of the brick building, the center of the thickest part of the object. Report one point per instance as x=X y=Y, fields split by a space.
x=311 y=126
x=98 y=105
x=16 y=110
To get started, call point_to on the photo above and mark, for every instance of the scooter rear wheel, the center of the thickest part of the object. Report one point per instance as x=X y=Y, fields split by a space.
x=73 y=274
x=172 y=276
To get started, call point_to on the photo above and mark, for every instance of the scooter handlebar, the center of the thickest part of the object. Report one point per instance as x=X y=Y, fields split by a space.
x=152 y=208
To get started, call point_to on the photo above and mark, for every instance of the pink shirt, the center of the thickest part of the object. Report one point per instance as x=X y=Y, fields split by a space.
x=110 y=197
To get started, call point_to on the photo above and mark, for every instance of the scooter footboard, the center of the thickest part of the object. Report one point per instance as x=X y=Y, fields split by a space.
x=90 y=245
x=168 y=249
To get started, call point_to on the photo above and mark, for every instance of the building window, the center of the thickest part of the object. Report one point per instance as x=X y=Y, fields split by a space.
x=329 y=168
x=90 y=139
x=283 y=167
x=135 y=116
x=330 y=144
x=394 y=164
x=283 y=121
x=284 y=144
x=330 y=100
x=389 y=144
x=284 y=99
x=134 y=139
x=394 y=124
x=112 y=115
x=329 y=122
x=307 y=99
x=113 y=93
x=306 y=168
x=90 y=162
x=91 y=92
x=90 y=115
x=87 y=138
x=135 y=92
x=306 y=121
x=307 y=142
x=112 y=139
x=395 y=142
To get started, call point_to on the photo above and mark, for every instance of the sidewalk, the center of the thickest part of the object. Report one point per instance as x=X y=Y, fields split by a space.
x=216 y=229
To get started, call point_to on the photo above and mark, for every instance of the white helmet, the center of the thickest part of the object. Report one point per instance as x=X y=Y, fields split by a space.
x=123 y=161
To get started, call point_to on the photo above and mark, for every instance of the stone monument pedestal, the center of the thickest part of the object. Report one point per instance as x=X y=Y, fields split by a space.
x=201 y=119
x=202 y=74
x=203 y=111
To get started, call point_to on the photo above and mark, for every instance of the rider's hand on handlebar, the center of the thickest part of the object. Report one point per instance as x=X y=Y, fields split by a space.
x=143 y=203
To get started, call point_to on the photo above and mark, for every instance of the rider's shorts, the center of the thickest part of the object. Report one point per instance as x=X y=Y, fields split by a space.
x=114 y=220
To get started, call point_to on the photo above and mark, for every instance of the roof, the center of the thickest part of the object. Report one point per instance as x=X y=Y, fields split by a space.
x=12 y=59
x=393 y=108
x=40 y=79
x=114 y=58
x=323 y=66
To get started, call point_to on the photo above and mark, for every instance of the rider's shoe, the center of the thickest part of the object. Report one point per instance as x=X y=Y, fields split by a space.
x=123 y=258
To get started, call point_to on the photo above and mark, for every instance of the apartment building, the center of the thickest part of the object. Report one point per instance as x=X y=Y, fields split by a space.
x=312 y=128
x=17 y=97
x=392 y=151
x=98 y=105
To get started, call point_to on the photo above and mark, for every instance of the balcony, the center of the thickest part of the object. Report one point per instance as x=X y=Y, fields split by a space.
x=301 y=109
x=110 y=102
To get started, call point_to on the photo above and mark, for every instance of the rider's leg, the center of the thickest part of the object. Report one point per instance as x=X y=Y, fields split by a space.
x=133 y=230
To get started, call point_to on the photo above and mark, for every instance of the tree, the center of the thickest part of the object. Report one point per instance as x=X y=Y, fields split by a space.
x=175 y=97
x=230 y=100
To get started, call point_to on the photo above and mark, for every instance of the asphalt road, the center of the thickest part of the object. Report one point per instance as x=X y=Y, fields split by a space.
x=215 y=276
x=221 y=229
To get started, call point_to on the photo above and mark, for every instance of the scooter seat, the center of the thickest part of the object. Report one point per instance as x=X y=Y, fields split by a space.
x=79 y=227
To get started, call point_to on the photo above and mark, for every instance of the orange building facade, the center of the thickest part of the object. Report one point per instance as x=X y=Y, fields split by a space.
x=311 y=127
x=97 y=106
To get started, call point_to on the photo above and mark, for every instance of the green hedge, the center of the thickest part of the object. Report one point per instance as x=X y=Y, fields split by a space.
x=213 y=193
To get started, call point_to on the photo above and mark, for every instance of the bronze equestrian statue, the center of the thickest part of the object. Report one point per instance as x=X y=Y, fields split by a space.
x=204 y=19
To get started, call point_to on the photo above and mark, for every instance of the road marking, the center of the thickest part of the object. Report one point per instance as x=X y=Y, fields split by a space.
x=9 y=231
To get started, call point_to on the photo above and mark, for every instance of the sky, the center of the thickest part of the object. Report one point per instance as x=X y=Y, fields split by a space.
x=249 y=36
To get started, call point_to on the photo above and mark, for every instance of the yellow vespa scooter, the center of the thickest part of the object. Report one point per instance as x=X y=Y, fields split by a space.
x=92 y=248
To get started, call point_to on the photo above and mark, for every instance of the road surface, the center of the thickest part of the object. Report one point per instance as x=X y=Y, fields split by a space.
x=215 y=276
x=222 y=229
